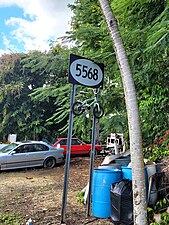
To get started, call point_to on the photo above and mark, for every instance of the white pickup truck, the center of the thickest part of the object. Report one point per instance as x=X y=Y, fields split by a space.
x=115 y=143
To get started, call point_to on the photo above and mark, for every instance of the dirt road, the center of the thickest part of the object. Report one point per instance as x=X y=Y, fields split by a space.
x=37 y=194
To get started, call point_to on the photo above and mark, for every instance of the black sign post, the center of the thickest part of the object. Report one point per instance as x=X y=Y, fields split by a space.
x=91 y=164
x=67 y=163
x=87 y=73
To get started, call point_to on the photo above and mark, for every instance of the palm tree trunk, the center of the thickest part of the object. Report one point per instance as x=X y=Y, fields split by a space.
x=138 y=179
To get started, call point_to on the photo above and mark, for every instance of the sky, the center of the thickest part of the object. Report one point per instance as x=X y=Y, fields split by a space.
x=27 y=25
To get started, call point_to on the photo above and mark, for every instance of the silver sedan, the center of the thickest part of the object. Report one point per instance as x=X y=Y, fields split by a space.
x=30 y=154
x=2 y=145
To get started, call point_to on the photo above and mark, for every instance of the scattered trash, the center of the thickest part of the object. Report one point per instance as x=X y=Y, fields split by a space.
x=29 y=222
x=121 y=200
x=157 y=218
x=29 y=178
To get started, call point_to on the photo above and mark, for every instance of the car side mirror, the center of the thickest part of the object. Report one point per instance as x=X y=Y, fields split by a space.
x=13 y=152
x=58 y=145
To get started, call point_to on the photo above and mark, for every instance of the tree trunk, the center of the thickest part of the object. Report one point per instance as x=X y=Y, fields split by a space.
x=138 y=179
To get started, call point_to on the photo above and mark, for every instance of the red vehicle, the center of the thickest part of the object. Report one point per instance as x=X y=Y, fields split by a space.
x=78 y=147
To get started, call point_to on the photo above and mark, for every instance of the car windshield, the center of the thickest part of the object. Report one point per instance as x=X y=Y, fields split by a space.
x=8 y=148
x=46 y=141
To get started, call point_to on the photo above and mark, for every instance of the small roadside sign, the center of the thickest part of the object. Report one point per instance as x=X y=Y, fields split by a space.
x=85 y=72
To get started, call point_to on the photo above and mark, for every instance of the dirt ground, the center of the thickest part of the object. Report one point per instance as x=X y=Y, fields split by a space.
x=37 y=194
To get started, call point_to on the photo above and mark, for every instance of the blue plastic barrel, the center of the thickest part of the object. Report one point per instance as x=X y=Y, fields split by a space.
x=127 y=174
x=110 y=166
x=124 y=161
x=102 y=180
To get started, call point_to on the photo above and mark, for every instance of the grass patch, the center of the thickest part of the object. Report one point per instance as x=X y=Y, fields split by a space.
x=10 y=218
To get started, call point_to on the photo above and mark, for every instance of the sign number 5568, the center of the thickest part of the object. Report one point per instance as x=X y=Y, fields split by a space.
x=86 y=72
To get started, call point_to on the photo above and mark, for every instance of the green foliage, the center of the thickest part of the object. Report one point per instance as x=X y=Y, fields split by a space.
x=35 y=94
x=150 y=213
x=33 y=91
x=10 y=218
x=54 y=95
x=160 y=206
x=91 y=36
x=80 y=197
x=159 y=149
x=156 y=153
x=144 y=29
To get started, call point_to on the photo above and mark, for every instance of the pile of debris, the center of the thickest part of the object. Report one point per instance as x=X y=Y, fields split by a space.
x=164 y=189
x=165 y=165
x=165 y=170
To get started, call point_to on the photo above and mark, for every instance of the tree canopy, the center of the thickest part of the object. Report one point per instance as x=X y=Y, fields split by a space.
x=144 y=29
x=35 y=94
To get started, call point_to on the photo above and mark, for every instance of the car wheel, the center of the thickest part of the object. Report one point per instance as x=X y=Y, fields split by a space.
x=49 y=163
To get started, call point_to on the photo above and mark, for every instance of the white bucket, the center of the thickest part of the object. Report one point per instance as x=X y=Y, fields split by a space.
x=12 y=138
